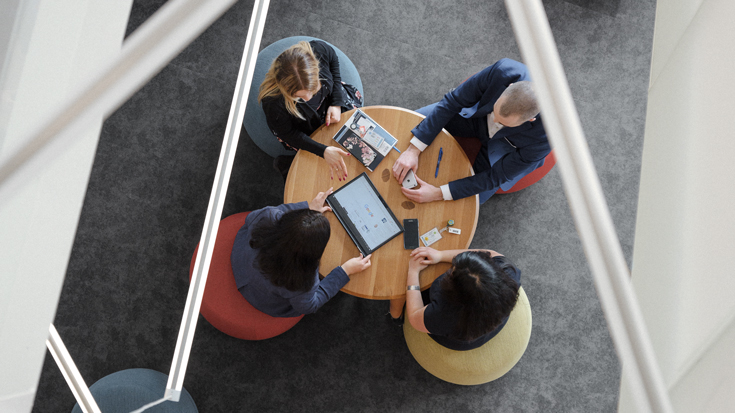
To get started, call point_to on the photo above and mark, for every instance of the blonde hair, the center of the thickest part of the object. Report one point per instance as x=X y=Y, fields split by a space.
x=297 y=68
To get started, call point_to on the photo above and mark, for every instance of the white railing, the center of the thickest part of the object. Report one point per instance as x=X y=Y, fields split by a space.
x=70 y=372
x=589 y=208
x=144 y=53
x=216 y=201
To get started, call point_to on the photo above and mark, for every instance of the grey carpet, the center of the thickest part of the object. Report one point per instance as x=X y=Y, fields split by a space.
x=127 y=277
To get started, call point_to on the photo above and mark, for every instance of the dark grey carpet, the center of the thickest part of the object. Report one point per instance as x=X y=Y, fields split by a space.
x=127 y=277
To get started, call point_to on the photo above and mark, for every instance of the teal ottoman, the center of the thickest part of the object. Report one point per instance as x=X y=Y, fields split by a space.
x=128 y=390
x=254 y=120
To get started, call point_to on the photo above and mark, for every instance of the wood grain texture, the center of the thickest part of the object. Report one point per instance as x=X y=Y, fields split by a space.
x=386 y=278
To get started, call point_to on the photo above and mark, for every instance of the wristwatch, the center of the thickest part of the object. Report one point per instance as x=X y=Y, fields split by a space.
x=413 y=287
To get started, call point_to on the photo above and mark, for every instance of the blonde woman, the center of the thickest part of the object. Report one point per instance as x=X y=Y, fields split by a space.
x=302 y=91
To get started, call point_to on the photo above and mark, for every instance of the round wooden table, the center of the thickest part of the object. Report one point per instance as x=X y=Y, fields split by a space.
x=386 y=278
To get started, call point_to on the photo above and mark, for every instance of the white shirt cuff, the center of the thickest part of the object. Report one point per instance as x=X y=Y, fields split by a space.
x=417 y=143
x=445 y=192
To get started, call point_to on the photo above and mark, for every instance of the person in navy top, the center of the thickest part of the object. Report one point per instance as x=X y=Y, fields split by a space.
x=469 y=304
x=498 y=107
x=275 y=259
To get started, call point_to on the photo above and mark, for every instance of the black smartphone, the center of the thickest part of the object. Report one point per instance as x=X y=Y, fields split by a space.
x=410 y=234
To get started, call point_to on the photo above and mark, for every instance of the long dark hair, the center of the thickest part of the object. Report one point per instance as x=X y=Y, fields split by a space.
x=290 y=248
x=482 y=292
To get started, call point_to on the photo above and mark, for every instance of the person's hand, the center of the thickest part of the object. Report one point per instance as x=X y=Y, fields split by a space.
x=417 y=264
x=334 y=157
x=426 y=193
x=409 y=159
x=357 y=264
x=319 y=204
x=334 y=113
x=427 y=255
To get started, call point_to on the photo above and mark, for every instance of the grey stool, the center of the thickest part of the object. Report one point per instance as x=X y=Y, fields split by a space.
x=254 y=120
x=128 y=390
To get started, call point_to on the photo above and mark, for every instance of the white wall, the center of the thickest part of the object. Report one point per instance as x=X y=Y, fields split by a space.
x=68 y=42
x=683 y=270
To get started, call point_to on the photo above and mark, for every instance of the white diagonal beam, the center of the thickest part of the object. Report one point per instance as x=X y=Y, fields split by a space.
x=143 y=54
x=588 y=205
x=216 y=202
x=70 y=372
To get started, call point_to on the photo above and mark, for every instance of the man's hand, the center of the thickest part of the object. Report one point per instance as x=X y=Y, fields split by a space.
x=334 y=157
x=318 y=204
x=409 y=159
x=426 y=193
x=334 y=113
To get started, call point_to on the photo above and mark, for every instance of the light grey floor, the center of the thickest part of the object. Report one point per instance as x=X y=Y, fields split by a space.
x=127 y=278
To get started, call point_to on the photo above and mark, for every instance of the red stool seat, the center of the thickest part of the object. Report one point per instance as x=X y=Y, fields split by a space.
x=533 y=176
x=222 y=305
x=471 y=147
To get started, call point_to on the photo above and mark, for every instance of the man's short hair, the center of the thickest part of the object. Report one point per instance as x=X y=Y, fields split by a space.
x=520 y=100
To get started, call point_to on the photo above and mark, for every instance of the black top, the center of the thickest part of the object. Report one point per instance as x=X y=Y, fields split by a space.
x=440 y=318
x=294 y=131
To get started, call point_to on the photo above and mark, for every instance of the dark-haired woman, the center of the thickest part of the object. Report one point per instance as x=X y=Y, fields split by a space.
x=300 y=92
x=469 y=304
x=276 y=256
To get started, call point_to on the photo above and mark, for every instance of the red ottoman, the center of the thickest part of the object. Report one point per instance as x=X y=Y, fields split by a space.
x=222 y=305
x=533 y=176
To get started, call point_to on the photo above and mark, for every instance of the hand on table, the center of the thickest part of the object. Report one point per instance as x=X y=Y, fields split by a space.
x=334 y=157
x=357 y=264
x=427 y=255
x=417 y=264
x=334 y=114
x=409 y=159
x=319 y=203
x=425 y=193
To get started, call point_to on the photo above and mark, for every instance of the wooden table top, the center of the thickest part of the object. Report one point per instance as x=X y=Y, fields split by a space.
x=386 y=278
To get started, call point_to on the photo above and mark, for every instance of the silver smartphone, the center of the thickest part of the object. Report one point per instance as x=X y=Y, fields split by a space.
x=410 y=180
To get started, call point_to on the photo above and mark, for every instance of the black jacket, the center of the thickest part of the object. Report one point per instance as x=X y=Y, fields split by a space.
x=294 y=131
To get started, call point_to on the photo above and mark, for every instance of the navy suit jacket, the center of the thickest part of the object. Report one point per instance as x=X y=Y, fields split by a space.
x=513 y=152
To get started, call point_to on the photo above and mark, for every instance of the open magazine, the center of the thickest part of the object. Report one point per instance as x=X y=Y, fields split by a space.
x=365 y=139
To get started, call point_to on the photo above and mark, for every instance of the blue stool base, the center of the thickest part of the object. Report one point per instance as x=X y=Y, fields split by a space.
x=128 y=390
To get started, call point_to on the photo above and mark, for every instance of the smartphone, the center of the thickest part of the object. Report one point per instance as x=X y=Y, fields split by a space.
x=410 y=180
x=410 y=234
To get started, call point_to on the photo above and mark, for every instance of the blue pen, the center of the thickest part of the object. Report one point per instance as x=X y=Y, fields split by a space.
x=396 y=149
x=438 y=161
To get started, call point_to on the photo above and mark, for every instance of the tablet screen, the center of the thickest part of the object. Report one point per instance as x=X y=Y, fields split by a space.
x=364 y=214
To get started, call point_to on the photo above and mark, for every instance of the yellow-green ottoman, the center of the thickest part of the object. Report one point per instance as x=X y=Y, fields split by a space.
x=483 y=364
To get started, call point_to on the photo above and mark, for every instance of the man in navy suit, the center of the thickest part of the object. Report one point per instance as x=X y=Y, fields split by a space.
x=497 y=106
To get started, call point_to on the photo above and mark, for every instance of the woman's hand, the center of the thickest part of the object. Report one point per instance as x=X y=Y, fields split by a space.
x=334 y=114
x=427 y=255
x=334 y=157
x=417 y=264
x=318 y=204
x=357 y=264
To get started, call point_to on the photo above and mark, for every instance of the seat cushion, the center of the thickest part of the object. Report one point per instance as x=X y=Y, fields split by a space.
x=254 y=120
x=480 y=365
x=127 y=390
x=222 y=305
